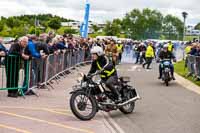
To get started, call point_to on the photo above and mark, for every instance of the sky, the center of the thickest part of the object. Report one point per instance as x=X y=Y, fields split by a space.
x=101 y=10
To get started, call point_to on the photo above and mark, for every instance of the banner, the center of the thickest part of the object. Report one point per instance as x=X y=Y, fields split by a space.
x=84 y=26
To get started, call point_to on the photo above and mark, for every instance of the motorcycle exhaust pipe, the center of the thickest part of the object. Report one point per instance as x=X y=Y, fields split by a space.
x=122 y=104
x=130 y=100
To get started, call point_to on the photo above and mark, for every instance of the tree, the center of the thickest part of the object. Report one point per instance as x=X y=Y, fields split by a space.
x=66 y=30
x=1 y=26
x=152 y=20
x=142 y=24
x=13 y=22
x=95 y=28
x=173 y=26
x=112 y=29
x=18 y=31
x=54 y=24
x=197 y=27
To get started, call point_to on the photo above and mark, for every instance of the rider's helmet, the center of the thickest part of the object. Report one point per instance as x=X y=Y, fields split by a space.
x=97 y=50
x=165 y=47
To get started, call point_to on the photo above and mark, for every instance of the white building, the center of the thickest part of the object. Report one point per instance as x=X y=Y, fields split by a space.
x=74 y=25
x=77 y=24
x=190 y=30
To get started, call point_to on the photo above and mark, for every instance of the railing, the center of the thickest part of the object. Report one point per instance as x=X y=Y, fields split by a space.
x=44 y=71
x=193 y=65
x=24 y=76
x=14 y=73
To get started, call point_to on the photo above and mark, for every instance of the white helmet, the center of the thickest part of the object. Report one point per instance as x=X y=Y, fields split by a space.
x=97 y=50
x=165 y=46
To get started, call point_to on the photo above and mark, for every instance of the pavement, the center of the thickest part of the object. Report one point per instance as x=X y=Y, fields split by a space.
x=173 y=109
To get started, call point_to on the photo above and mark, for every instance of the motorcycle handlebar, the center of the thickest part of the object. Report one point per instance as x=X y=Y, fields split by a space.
x=94 y=74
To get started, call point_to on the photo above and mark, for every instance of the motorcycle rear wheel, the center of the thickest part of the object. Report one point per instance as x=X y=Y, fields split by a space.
x=128 y=108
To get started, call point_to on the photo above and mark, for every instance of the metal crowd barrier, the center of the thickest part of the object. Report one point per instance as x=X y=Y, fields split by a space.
x=44 y=71
x=14 y=73
x=193 y=65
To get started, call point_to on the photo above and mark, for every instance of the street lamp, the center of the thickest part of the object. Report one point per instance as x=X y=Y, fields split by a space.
x=184 y=14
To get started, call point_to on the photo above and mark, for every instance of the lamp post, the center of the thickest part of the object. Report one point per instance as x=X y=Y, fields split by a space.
x=184 y=14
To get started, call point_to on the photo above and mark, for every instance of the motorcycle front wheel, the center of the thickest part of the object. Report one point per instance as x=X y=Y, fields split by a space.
x=83 y=107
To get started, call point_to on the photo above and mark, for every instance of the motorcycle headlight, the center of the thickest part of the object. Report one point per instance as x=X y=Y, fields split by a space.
x=84 y=84
x=96 y=79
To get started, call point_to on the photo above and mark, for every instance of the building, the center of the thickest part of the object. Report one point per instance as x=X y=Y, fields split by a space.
x=77 y=24
x=74 y=25
x=190 y=30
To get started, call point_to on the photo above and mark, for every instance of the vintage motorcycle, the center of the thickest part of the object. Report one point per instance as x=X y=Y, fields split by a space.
x=91 y=95
x=166 y=74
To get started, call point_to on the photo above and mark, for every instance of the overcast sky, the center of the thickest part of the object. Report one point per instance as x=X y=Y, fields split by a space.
x=101 y=10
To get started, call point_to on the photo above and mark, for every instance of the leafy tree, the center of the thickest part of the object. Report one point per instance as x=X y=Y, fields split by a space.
x=31 y=30
x=173 y=27
x=54 y=24
x=1 y=25
x=18 y=31
x=133 y=24
x=95 y=28
x=12 y=22
x=142 y=24
x=112 y=29
x=70 y=31
x=197 y=27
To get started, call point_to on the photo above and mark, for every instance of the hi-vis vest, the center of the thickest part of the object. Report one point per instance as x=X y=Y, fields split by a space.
x=149 y=52
x=170 y=47
x=188 y=49
x=119 y=47
x=106 y=72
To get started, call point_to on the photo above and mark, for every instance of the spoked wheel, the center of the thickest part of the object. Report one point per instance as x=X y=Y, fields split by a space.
x=82 y=106
x=128 y=108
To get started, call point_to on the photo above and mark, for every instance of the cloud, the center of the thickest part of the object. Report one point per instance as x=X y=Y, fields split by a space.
x=100 y=10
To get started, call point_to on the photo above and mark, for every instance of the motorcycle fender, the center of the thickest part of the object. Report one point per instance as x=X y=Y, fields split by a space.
x=75 y=91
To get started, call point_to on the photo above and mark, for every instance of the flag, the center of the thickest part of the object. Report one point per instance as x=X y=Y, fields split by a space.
x=84 y=26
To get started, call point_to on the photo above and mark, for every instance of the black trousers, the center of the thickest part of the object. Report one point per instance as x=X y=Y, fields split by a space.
x=110 y=83
x=148 y=62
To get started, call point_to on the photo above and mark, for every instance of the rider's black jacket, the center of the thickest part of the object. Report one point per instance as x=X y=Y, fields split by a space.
x=105 y=64
x=166 y=55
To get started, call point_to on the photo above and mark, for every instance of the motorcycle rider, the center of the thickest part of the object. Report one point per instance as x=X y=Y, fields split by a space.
x=166 y=54
x=111 y=51
x=108 y=72
x=119 y=46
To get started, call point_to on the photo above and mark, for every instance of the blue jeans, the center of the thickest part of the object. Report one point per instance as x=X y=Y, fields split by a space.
x=171 y=69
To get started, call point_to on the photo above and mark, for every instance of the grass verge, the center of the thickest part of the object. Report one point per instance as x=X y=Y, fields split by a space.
x=182 y=71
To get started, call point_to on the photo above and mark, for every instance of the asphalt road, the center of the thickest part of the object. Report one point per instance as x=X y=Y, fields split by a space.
x=172 y=109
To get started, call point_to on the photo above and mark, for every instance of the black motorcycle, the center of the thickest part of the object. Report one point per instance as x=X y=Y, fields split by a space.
x=166 y=73
x=92 y=95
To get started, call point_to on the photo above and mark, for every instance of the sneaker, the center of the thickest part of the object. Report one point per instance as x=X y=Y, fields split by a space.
x=173 y=78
